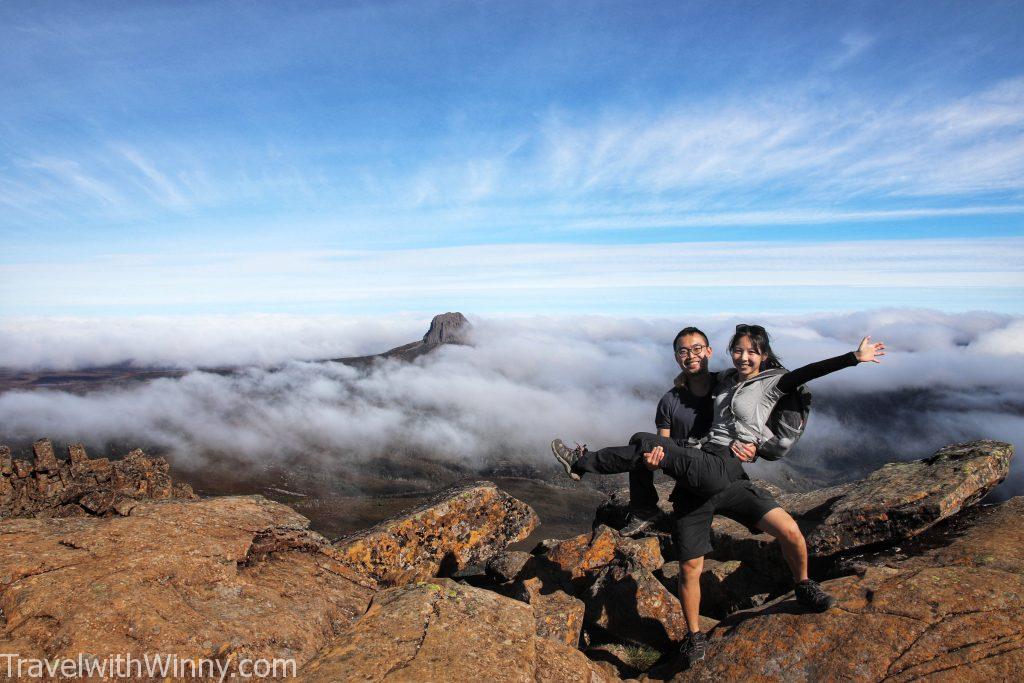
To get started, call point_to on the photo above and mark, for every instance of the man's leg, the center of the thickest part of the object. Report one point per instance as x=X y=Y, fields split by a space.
x=642 y=494
x=691 y=538
x=689 y=591
x=643 y=502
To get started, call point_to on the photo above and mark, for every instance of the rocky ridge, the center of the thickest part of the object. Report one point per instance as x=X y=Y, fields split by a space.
x=79 y=486
x=436 y=593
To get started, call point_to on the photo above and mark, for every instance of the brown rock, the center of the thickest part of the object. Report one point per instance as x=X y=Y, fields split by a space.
x=100 y=468
x=461 y=527
x=631 y=604
x=99 y=486
x=643 y=552
x=76 y=453
x=46 y=460
x=509 y=565
x=558 y=615
x=954 y=612
x=6 y=464
x=22 y=469
x=174 y=577
x=896 y=502
x=584 y=553
x=433 y=631
x=558 y=663
x=993 y=538
x=730 y=586
x=903 y=499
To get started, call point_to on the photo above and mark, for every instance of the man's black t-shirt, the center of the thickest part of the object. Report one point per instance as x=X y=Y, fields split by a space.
x=684 y=414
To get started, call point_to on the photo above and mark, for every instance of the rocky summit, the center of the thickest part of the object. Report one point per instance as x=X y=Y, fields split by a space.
x=930 y=584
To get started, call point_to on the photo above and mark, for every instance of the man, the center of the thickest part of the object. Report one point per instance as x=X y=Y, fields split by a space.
x=685 y=413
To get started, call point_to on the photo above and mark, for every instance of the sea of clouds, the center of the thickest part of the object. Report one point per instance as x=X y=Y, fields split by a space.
x=519 y=383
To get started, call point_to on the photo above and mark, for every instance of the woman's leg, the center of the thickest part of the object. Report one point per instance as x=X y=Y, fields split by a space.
x=617 y=459
x=698 y=472
x=783 y=527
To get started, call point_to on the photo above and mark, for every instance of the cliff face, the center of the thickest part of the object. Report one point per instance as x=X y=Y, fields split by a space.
x=446 y=328
x=434 y=593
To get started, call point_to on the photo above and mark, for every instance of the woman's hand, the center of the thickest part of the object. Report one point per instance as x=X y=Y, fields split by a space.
x=868 y=352
x=654 y=458
x=747 y=452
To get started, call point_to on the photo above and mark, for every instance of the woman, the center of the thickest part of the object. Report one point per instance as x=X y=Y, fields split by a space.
x=743 y=401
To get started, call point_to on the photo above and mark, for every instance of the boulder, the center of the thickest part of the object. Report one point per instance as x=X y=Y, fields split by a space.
x=896 y=502
x=558 y=663
x=629 y=603
x=461 y=527
x=558 y=615
x=441 y=630
x=584 y=553
x=954 y=611
x=509 y=565
x=222 y=577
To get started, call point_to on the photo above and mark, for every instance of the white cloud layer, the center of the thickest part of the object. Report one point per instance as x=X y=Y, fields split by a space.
x=524 y=381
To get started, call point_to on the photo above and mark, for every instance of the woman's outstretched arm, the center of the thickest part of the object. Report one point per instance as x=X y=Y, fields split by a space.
x=867 y=352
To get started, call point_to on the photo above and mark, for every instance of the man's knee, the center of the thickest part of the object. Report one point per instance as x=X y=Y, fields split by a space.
x=692 y=568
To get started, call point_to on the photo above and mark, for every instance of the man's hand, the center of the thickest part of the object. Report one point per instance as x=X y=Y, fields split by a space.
x=654 y=458
x=747 y=452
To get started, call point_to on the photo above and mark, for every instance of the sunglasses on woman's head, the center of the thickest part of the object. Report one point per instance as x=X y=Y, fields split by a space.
x=749 y=328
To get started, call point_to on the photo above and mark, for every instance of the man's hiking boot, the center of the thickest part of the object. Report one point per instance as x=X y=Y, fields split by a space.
x=640 y=521
x=567 y=457
x=811 y=594
x=693 y=649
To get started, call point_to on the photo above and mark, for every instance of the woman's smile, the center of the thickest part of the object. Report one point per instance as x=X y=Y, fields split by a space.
x=746 y=358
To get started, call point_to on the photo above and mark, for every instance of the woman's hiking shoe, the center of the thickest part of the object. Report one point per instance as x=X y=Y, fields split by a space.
x=640 y=521
x=693 y=649
x=567 y=457
x=811 y=594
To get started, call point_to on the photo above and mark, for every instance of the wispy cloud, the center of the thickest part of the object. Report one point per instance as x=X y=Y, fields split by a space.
x=511 y=277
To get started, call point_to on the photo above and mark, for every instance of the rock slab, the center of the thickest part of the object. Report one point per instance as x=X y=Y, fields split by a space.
x=444 y=631
x=953 y=613
x=461 y=527
x=223 y=577
x=897 y=501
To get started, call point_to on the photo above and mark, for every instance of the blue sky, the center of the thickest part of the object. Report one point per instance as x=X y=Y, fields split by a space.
x=551 y=157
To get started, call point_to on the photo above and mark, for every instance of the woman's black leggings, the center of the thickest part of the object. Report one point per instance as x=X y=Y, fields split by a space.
x=699 y=471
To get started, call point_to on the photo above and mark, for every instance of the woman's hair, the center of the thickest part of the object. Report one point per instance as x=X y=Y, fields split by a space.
x=759 y=340
x=686 y=331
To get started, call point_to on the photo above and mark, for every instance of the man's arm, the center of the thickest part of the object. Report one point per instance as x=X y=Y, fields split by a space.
x=664 y=432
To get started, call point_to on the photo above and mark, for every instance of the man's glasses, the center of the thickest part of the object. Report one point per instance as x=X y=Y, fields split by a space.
x=695 y=350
